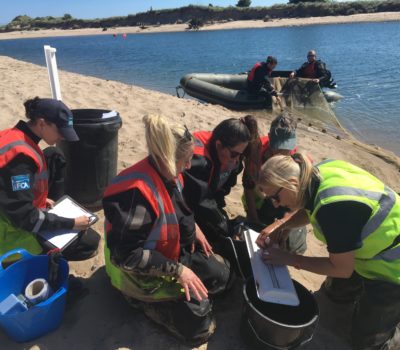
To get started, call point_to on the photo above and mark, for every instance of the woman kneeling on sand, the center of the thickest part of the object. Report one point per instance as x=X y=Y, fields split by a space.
x=153 y=246
x=358 y=217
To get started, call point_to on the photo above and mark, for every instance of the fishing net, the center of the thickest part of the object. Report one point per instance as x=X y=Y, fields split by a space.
x=306 y=99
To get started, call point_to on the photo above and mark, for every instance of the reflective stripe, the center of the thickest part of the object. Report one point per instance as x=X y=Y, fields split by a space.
x=163 y=218
x=6 y=148
x=389 y=255
x=44 y=175
x=39 y=221
x=198 y=143
x=347 y=191
x=386 y=203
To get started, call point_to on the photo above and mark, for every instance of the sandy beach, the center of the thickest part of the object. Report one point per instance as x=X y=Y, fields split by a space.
x=102 y=319
x=280 y=22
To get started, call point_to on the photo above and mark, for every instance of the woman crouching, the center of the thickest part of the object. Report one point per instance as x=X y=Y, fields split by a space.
x=153 y=246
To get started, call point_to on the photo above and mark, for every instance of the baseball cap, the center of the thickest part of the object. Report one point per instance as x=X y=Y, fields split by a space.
x=57 y=112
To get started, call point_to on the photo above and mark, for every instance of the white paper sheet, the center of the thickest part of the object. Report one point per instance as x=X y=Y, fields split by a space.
x=67 y=209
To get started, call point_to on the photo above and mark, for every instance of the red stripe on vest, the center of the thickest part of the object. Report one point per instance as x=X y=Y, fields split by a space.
x=29 y=148
x=250 y=77
x=165 y=231
x=201 y=148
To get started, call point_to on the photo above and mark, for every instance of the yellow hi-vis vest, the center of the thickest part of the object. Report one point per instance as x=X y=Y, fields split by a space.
x=379 y=256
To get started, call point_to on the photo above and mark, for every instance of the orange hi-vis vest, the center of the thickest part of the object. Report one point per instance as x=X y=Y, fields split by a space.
x=14 y=142
x=201 y=148
x=164 y=235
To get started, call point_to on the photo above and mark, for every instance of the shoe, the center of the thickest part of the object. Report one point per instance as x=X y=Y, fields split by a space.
x=76 y=290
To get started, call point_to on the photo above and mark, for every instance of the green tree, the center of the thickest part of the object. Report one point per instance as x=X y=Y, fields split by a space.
x=67 y=17
x=243 y=3
x=299 y=1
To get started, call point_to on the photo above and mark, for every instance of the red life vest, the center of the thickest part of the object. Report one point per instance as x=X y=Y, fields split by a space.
x=250 y=77
x=201 y=148
x=253 y=167
x=164 y=235
x=14 y=142
x=310 y=71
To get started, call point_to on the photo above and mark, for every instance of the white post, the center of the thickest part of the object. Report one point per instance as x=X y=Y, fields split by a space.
x=50 y=54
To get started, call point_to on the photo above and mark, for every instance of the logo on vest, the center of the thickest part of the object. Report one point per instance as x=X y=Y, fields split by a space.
x=70 y=121
x=20 y=182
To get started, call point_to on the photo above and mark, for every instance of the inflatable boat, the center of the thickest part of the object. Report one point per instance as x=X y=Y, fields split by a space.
x=230 y=90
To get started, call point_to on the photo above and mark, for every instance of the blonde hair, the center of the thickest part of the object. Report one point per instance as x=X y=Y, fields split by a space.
x=166 y=143
x=279 y=170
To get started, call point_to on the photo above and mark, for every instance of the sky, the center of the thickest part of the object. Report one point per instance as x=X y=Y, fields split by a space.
x=89 y=9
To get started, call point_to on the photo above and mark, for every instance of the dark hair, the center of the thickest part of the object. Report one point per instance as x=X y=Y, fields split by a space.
x=232 y=131
x=30 y=108
x=272 y=60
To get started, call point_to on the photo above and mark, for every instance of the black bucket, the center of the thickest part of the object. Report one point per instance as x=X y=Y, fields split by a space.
x=236 y=251
x=237 y=254
x=92 y=161
x=266 y=326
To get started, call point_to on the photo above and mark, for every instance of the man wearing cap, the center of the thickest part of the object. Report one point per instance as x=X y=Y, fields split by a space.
x=280 y=140
x=258 y=79
x=24 y=182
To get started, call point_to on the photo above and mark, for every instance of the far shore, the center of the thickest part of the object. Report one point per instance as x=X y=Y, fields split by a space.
x=284 y=22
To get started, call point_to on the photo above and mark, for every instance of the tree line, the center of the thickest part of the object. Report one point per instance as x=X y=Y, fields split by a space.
x=200 y=15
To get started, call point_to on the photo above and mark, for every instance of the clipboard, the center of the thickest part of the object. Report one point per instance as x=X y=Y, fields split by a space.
x=68 y=208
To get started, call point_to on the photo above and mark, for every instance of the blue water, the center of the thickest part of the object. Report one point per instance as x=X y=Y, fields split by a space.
x=363 y=58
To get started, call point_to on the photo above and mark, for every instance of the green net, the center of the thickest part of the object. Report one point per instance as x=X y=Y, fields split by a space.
x=306 y=99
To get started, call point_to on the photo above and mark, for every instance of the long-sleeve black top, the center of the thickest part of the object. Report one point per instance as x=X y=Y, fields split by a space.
x=17 y=205
x=132 y=218
x=205 y=180
x=260 y=80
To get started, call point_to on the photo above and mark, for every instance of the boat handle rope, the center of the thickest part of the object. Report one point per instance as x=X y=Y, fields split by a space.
x=177 y=91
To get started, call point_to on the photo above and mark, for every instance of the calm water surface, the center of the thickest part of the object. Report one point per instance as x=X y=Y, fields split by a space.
x=363 y=58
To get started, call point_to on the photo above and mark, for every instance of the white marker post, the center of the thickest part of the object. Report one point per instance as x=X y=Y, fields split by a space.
x=50 y=54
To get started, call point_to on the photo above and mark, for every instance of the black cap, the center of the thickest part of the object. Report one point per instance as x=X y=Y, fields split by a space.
x=57 y=112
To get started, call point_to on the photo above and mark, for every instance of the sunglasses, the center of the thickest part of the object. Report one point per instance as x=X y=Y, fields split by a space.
x=275 y=197
x=310 y=55
x=234 y=154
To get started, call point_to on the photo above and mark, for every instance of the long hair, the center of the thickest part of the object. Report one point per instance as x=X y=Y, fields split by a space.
x=231 y=132
x=253 y=149
x=279 y=170
x=166 y=143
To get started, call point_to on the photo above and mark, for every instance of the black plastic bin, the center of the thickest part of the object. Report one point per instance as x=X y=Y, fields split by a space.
x=92 y=161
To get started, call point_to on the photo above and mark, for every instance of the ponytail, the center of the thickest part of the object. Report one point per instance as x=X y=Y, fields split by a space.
x=30 y=108
x=279 y=170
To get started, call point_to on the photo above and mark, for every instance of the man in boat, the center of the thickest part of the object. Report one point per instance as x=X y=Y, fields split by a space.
x=314 y=69
x=258 y=79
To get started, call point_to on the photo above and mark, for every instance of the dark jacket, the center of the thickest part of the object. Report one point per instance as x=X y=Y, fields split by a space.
x=202 y=191
x=132 y=218
x=320 y=70
x=257 y=79
x=18 y=205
